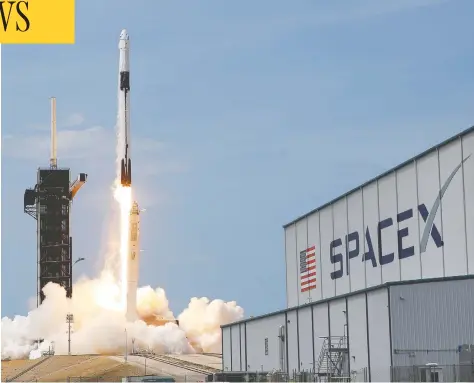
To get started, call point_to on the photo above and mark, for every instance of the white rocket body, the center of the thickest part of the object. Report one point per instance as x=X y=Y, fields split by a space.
x=133 y=263
x=124 y=108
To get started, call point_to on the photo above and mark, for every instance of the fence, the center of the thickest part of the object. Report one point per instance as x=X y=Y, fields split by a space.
x=433 y=373
x=248 y=376
x=95 y=379
x=120 y=378
x=421 y=373
x=277 y=376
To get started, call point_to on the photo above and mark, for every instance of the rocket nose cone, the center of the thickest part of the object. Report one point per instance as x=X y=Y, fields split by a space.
x=124 y=35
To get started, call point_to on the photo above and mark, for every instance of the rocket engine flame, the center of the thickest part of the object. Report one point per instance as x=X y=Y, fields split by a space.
x=123 y=195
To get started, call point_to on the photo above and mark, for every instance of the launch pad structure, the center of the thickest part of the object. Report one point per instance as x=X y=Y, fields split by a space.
x=49 y=203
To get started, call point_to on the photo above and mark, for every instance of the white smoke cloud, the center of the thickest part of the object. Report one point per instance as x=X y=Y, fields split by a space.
x=202 y=319
x=153 y=302
x=99 y=325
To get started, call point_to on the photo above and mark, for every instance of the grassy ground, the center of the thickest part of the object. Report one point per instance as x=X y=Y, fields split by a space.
x=74 y=368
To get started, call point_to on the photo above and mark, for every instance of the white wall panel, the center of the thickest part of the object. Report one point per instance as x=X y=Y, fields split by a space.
x=301 y=247
x=357 y=319
x=379 y=335
x=326 y=228
x=291 y=267
x=356 y=245
x=337 y=317
x=242 y=346
x=292 y=340
x=387 y=252
x=408 y=226
x=257 y=331
x=226 y=349
x=452 y=210
x=428 y=189
x=405 y=198
x=371 y=219
x=313 y=240
x=305 y=333
x=235 y=345
x=320 y=326
x=468 y=172
x=339 y=249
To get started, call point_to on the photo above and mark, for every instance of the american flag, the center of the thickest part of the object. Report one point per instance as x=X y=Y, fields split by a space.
x=308 y=269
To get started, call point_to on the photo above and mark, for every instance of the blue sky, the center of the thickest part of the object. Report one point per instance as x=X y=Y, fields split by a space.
x=245 y=115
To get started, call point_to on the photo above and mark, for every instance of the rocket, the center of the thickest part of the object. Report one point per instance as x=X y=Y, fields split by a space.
x=124 y=107
x=133 y=261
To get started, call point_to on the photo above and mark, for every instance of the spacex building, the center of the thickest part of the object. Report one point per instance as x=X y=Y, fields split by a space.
x=379 y=282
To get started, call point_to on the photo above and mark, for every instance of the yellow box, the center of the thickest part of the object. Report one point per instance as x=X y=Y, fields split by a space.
x=37 y=22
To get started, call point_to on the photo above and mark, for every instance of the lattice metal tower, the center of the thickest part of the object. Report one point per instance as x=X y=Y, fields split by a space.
x=49 y=203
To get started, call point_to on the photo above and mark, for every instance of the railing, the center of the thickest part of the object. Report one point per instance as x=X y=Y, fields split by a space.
x=183 y=364
x=341 y=350
x=322 y=353
x=330 y=361
x=433 y=373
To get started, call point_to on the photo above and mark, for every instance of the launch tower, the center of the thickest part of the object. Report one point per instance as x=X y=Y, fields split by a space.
x=49 y=203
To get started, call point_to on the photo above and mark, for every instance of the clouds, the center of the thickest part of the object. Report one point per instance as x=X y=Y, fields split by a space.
x=74 y=119
x=74 y=141
x=90 y=142
x=78 y=141
x=91 y=149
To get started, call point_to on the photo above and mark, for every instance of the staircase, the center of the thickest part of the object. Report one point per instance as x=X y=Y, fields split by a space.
x=333 y=358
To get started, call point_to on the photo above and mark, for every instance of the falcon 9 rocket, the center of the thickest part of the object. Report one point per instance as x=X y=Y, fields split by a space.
x=132 y=252
x=124 y=108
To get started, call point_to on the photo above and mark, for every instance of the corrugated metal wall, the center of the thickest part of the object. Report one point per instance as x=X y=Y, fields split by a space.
x=427 y=322
x=226 y=349
x=430 y=320
x=305 y=328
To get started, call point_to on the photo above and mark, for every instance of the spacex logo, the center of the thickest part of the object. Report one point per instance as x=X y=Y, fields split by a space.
x=434 y=209
x=352 y=240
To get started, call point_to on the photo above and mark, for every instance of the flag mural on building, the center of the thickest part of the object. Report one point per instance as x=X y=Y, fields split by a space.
x=308 y=269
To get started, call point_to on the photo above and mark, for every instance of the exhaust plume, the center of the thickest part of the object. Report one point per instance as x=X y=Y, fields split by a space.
x=99 y=323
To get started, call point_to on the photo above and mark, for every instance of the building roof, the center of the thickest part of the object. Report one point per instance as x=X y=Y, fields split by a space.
x=436 y=147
